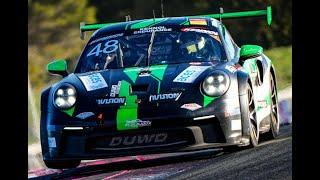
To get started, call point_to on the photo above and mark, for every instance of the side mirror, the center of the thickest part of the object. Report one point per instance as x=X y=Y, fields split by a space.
x=250 y=51
x=58 y=66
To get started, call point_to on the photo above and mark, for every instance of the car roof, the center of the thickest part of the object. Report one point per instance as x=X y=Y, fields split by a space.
x=156 y=22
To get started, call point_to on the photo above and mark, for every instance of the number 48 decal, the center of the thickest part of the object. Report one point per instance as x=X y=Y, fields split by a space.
x=109 y=47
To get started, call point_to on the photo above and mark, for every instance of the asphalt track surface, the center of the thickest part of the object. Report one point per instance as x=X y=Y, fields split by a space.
x=270 y=160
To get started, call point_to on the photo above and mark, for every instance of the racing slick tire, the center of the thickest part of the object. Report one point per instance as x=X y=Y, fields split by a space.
x=254 y=132
x=274 y=116
x=62 y=164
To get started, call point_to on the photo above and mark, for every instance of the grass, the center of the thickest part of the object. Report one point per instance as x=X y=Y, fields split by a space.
x=282 y=60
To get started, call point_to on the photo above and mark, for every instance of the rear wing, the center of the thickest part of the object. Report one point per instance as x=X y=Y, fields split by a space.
x=242 y=14
x=232 y=15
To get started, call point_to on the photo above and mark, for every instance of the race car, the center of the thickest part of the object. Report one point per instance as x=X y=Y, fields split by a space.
x=159 y=85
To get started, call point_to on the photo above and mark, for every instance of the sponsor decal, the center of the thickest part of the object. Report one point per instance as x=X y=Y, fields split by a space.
x=115 y=89
x=262 y=103
x=107 y=37
x=190 y=74
x=159 y=97
x=137 y=123
x=108 y=47
x=195 y=21
x=238 y=66
x=107 y=101
x=191 y=106
x=85 y=115
x=138 y=139
x=52 y=142
x=129 y=110
x=93 y=81
x=231 y=69
x=100 y=116
x=152 y=29
x=200 y=31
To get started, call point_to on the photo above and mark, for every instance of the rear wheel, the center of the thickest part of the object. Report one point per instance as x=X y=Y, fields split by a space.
x=62 y=164
x=274 y=123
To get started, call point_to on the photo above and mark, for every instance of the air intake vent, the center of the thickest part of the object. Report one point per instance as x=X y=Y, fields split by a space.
x=141 y=88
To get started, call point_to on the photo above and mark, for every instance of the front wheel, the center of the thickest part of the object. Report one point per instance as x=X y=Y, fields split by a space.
x=254 y=132
x=274 y=123
x=62 y=164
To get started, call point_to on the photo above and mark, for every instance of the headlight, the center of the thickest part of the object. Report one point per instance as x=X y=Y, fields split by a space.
x=65 y=96
x=216 y=84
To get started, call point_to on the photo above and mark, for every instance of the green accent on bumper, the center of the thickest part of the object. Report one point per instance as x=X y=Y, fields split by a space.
x=125 y=92
x=69 y=111
x=124 y=115
x=129 y=111
x=207 y=100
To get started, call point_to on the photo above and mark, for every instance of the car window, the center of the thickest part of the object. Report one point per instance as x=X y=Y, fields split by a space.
x=130 y=50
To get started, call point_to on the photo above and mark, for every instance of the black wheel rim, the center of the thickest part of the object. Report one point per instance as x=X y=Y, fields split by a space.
x=252 y=114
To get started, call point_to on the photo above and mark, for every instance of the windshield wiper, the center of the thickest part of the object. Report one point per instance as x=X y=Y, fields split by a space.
x=150 y=48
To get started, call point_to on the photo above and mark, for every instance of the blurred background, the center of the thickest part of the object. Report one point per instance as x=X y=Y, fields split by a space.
x=53 y=32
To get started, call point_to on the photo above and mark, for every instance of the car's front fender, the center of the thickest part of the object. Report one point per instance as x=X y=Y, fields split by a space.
x=243 y=79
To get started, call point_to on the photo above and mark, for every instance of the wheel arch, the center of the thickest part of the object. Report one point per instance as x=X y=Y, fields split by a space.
x=243 y=78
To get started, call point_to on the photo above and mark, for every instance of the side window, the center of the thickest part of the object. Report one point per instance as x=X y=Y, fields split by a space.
x=229 y=45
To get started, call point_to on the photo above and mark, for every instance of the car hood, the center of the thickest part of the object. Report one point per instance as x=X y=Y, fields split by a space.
x=151 y=82
x=159 y=91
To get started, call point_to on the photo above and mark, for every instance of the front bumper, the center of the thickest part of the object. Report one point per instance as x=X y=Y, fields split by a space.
x=94 y=142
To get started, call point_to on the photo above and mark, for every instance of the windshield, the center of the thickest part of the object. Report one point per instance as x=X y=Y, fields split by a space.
x=136 y=50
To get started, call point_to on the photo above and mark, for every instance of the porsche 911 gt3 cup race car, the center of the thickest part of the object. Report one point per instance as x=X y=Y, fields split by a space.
x=159 y=85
